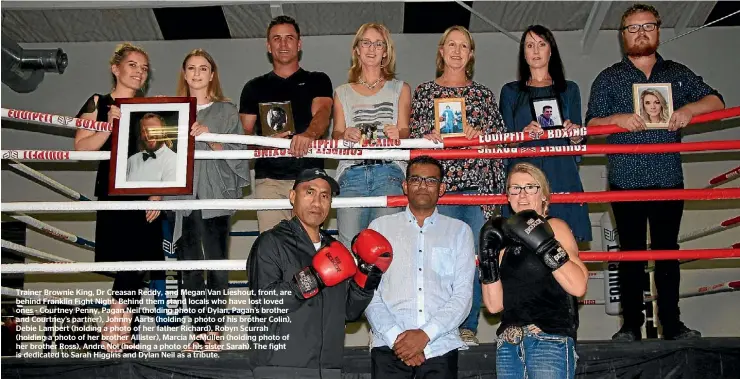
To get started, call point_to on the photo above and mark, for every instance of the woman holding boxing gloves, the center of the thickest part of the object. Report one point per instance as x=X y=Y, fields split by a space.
x=530 y=270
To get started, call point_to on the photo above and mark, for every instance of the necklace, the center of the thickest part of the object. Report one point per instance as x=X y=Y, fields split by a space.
x=369 y=86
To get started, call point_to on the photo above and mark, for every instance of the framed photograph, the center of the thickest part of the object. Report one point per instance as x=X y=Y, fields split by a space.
x=654 y=103
x=276 y=118
x=449 y=116
x=547 y=111
x=152 y=149
x=370 y=132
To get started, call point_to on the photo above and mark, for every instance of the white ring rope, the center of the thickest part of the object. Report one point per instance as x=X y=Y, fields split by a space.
x=220 y=204
x=29 y=252
x=729 y=223
x=49 y=181
x=52 y=230
x=75 y=267
x=71 y=155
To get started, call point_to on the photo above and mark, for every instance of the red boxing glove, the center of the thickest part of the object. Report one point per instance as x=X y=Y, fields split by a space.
x=374 y=254
x=331 y=265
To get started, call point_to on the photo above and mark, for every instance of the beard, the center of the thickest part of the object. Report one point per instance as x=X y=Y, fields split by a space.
x=641 y=50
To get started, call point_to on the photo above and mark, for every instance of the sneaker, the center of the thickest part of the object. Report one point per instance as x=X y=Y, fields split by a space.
x=627 y=334
x=681 y=333
x=468 y=337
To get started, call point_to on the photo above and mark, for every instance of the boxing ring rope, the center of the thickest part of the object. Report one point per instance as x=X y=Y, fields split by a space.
x=402 y=155
x=240 y=264
x=48 y=181
x=451 y=142
x=729 y=223
x=373 y=201
x=722 y=178
x=53 y=231
x=33 y=253
x=701 y=291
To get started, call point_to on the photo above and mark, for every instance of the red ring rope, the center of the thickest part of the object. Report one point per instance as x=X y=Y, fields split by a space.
x=658 y=255
x=455 y=142
x=728 y=175
x=589 y=197
x=540 y=151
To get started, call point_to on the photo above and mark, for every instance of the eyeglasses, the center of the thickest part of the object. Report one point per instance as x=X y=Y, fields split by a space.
x=367 y=43
x=634 y=28
x=529 y=189
x=417 y=180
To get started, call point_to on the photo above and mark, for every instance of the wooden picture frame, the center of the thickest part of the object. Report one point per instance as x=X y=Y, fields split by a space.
x=152 y=151
x=449 y=117
x=659 y=109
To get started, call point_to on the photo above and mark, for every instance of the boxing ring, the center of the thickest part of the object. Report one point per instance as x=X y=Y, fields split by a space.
x=596 y=357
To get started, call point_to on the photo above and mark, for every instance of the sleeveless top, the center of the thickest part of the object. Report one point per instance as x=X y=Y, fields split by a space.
x=101 y=179
x=377 y=110
x=533 y=296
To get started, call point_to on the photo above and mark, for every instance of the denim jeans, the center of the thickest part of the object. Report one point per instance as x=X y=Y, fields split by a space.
x=537 y=356
x=473 y=216
x=369 y=180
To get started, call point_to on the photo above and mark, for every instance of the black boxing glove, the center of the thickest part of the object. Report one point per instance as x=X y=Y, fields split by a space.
x=532 y=231
x=492 y=240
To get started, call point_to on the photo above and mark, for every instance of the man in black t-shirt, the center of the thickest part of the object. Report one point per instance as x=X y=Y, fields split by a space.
x=310 y=97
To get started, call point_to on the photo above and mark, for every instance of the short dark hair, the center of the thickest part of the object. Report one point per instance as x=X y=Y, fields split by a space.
x=424 y=159
x=280 y=20
x=639 y=8
x=546 y=107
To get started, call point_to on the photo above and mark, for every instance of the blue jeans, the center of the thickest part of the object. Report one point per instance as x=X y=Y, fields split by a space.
x=537 y=356
x=473 y=216
x=360 y=181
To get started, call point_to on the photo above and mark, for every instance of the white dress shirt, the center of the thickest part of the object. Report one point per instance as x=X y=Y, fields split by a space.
x=163 y=168
x=429 y=284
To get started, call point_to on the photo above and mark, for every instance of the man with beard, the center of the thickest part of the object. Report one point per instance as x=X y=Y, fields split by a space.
x=155 y=161
x=427 y=292
x=611 y=103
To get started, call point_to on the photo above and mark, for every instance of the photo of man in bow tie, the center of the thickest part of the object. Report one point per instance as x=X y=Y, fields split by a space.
x=155 y=160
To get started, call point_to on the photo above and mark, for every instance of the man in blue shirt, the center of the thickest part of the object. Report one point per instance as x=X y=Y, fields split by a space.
x=611 y=103
x=427 y=291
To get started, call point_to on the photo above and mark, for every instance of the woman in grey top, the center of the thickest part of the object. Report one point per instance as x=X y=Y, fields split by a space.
x=203 y=234
x=373 y=107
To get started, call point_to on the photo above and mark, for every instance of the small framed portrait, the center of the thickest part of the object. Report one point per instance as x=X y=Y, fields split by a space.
x=654 y=103
x=547 y=111
x=276 y=118
x=152 y=150
x=370 y=132
x=449 y=117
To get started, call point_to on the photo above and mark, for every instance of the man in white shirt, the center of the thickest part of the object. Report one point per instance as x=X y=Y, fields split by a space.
x=427 y=291
x=154 y=161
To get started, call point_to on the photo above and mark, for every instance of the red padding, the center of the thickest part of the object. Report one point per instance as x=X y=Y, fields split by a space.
x=659 y=255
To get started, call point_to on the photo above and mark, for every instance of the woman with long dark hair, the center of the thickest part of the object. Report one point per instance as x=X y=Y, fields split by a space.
x=542 y=80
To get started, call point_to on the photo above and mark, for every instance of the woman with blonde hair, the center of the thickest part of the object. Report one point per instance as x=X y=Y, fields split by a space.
x=653 y=106
x=121 y=235
x=203 y=234
x=371 y=107
x=455 y=66
x=531 y=273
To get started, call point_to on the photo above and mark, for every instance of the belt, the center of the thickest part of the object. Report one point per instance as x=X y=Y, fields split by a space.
x=371 y=162
x=515 y=334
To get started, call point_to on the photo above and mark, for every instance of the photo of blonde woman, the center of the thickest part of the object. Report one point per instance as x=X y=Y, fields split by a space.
x=654 y=104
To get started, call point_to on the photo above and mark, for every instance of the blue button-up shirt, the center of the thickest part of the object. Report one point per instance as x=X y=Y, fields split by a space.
x=429 y=284
x=611 y=93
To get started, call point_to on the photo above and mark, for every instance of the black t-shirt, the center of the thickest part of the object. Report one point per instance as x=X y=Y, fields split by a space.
x=300 y=89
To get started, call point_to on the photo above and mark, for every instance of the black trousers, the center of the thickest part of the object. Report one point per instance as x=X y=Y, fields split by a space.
x=631 y=220
x=205 y=239
x=386 y=365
